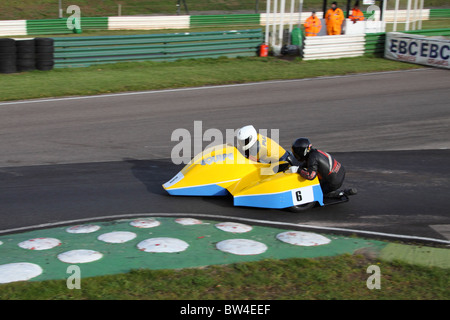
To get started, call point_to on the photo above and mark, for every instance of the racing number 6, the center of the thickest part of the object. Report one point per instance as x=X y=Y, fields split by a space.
x=303 y=199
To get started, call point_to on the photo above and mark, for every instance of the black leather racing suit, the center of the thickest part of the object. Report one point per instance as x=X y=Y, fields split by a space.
x=330 y=172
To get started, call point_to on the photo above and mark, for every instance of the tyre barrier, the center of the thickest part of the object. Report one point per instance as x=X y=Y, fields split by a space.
x=23 y=55
x=7 y=55
x=44 y=53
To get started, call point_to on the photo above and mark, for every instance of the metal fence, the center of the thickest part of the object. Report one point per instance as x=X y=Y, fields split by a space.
x=84 y=51
x=333 y=47
x=225 y=20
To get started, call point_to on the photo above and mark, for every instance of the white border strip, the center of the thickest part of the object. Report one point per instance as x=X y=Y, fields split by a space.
x=213 y=217
x=13 y=27
x=148 y=22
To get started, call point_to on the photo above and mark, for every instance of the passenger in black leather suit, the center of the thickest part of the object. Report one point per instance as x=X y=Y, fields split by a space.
x=330 y=172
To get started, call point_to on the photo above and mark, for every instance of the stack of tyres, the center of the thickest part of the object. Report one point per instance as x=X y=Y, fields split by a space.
x=44 y=53
x=7 y=55
x=26 y=58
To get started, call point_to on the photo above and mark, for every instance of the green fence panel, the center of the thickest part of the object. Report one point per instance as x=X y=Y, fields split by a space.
x=168 y=48
x=59 y=26
x=85 y=51
x=220 y=20
x=431 y=32
x=122 y=40
x=375 y=41
x=439 y=13
x=162 y=57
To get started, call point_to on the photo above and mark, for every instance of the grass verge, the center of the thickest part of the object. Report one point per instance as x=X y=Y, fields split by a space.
x=341 y=277
x=141 y=76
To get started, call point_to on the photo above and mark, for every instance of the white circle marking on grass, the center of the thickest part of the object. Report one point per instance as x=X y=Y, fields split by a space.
x=145 y=223
x=241 y=246
x=20 y=271
x=40 y=243
x=233 y=227
x=188 y=221
x=117 y=236
x=86 y=228
x=79 y=256
x=299 y=238
x=162 y=244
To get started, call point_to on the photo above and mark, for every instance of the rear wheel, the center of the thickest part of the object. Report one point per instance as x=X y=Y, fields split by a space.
x=302 y=207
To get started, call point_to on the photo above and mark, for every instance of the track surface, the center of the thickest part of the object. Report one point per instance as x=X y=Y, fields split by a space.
x=80 y=158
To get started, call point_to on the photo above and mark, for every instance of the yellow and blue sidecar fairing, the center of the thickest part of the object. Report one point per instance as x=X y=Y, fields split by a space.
x=223 y=170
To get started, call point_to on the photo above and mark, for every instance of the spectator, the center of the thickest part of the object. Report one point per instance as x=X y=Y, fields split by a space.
x=312 y=25
x=357 y=15
x=334 y=18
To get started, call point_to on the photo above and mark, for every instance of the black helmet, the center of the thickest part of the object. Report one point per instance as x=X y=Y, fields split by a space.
x=301 y=148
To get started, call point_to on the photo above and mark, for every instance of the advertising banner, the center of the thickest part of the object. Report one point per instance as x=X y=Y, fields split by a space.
x=429 y=51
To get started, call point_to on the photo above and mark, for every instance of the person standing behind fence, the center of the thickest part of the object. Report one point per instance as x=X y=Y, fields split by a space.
x=312 y=25
x=357 y=15
x=334 y=18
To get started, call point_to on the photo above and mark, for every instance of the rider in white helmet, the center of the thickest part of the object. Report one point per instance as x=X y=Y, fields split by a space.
x=259 y=148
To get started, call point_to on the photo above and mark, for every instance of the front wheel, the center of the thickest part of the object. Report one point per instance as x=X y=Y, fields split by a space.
x=302 y=207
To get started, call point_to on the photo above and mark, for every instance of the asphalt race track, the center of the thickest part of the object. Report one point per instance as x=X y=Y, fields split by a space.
x=101 y=157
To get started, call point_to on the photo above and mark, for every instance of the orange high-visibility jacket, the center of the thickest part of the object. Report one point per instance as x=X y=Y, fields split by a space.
x=312 y=26
x=334 y=19
x=357 y=15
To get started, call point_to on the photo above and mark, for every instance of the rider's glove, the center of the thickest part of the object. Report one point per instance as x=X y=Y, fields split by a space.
x=293 y=169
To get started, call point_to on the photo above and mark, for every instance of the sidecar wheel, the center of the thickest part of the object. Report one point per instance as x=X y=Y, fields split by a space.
x=302 y=207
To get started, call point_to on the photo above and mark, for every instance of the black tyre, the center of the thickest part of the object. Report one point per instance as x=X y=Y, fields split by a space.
x=7 y=42
x=45 y=49
x=44 y=56
x=7 y=63
x=26 y=64
x=25 y=56
x=25 y=68
x=25 y=43
x=7 y=49
x=7 y=57
x=302 y=207
x=45 y=63
x=24 y=49
x=43 y=41
x=44 y=67
x=8 y=68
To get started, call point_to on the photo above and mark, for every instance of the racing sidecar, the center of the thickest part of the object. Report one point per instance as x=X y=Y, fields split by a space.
x=222 y=170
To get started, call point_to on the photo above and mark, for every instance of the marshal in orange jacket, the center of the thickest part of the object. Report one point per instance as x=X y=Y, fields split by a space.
x=334 y=19
x=312 y=26
x=357 y=15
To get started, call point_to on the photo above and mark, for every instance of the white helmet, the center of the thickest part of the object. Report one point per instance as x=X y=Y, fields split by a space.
x=246 y=137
